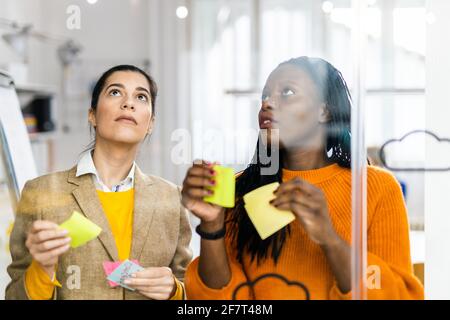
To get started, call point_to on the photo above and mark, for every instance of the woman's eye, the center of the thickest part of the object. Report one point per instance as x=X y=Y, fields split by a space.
x=287 y=92
x=114 y=93
x=142 y=97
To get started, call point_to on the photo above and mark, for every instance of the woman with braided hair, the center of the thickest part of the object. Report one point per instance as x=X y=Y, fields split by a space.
x=305 y=114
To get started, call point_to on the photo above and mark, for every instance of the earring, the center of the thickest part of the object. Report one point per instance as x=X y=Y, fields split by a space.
x=341 y=144
x=330 y=153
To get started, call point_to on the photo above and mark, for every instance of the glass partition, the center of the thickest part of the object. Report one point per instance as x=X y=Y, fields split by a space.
x=236 y=47
x=381 y=49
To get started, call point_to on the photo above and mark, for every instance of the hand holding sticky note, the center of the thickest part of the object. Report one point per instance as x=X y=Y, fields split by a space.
x=123 y=272
x=110 y=266
x=224 y=187
x=266 y=218
x=81 y=229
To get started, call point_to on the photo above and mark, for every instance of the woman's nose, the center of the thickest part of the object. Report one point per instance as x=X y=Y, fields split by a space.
x=127 y=105
x=268 y=104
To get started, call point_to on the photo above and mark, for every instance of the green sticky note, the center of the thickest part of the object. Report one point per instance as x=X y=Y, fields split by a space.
x=224 y=188
x=81 y=229
x=266 y=218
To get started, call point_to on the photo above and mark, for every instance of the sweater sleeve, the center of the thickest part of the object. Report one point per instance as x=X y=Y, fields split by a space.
x=196 y=289
x=179 y=292
x=389 y=269
x=38 y=284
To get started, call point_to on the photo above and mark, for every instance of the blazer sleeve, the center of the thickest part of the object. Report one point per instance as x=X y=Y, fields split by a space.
x=183 y=253
x=26 y=214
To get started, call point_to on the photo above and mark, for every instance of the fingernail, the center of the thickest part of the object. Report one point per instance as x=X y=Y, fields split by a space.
x=133 y=275
x=68 y=239
x=212 y=182
x=64 y=231
x=212 y=172
x=127 y=281
x=210 y=192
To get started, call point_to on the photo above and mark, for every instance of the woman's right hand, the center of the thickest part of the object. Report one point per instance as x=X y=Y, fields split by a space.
x=213 y=265
x=46 y=242
x=196 y=185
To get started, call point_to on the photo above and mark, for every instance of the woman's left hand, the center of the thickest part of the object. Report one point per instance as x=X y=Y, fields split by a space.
x=154 y=283
x=309 y=205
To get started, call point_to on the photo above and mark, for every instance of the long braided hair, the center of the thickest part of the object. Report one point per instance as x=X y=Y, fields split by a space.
x=335 y=93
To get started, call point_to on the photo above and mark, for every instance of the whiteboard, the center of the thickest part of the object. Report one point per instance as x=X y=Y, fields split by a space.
x=17 y=166
x=15 y=135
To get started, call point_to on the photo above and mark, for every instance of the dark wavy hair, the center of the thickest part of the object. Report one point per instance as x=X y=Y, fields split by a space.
x=101 y=82
x=335 y=93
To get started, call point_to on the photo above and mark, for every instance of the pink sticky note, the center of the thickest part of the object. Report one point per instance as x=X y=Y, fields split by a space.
x=110 y=266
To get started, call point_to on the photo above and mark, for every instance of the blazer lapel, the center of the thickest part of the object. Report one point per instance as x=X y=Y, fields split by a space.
x=144 y=206
x=86 y=196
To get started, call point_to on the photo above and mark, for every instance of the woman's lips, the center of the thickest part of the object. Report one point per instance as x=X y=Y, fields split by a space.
x=267 y=122
x=128 y=120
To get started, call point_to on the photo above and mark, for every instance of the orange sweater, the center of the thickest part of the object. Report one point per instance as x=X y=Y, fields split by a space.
x=304 y=261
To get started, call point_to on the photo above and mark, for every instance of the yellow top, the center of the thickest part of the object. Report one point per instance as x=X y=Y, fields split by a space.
x=118 y=208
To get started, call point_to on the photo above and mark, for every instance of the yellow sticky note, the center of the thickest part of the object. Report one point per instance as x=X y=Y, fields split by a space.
x=81 y=229
x=224 y=189
x=266 y=218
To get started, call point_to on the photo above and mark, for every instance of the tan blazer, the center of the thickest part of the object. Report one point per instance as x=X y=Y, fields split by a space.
x=161 y=233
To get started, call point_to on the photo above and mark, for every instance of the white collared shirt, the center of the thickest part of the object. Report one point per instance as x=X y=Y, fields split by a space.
x=86 y=166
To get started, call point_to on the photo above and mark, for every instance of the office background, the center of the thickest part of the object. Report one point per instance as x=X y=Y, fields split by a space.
x=210 y=59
